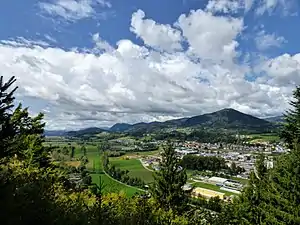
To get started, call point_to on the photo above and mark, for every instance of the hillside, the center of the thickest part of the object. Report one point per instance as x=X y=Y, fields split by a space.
x=276 y=119
x=89 y=131
x=225 y=118
x=53 y=133
x=120 y=127
x=228 y=118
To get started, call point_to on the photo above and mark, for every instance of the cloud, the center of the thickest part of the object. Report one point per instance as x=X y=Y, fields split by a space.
x=73 y=10
x=50 y=39
x=282 y=71
x=211 y=37
x=265 y=41
x=285 y=7
x=155 y=35
x=23 y=42
x=225 y=6
x=153 y=81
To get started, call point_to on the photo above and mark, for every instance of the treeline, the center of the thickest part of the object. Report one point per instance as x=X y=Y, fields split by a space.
x=215 y=203
x=115 y=153
x=201 y=135
x=121 y=175
x=211 y=163
x=201 y=163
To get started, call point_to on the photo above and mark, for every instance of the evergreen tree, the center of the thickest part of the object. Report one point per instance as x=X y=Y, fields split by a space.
x=21 y=135
x=72 y=152
x=291 y=130
x=83 y=150
x=6 y=105
x=167 y=188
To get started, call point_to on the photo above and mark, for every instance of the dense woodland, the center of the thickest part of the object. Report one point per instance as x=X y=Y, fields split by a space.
x=211 y=163
x=33 y=190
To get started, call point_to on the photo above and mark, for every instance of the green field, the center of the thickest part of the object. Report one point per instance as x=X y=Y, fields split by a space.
x=134 y=167
x=212 y=187
x=264 y=137
x=242 y=180
x=110 y=185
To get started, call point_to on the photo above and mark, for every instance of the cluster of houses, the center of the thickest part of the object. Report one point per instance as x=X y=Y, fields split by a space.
x=243 y=147
x=243 y=156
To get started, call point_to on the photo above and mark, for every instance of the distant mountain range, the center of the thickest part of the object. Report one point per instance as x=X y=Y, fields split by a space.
x=275 y=119
x=223 y=119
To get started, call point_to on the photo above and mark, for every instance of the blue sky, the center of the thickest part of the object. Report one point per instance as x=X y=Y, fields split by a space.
x=98 y=62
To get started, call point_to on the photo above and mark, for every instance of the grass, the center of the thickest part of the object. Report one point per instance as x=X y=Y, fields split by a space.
x=144 y=153
x=264 y=137
x=134 y=167
x=110 y=185
x=212 y=187
x=242 y=180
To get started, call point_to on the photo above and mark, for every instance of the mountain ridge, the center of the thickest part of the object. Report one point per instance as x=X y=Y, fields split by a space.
x=227 y=118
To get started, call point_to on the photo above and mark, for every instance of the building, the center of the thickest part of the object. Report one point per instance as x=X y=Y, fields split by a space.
x=217 y=180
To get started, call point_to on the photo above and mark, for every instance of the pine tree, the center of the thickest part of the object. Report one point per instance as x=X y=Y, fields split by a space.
x=6 y=105
x=291 y=130
x=83 y=150
x=72 y=152
x=167 y=188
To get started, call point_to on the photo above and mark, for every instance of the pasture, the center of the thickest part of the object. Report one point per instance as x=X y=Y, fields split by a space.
x=134 y=166
x=110 y=185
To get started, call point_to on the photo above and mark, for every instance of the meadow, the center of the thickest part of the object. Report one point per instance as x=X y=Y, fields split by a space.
x=94 y=165
x=129 y=162
x=134 y=167
x=256 y=138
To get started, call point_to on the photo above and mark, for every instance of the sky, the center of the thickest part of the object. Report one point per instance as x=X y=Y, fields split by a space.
x=99 y=62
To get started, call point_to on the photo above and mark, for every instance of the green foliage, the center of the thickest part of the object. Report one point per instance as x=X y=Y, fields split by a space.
x=6 y=105
x=167 y=188
x=291 y=130
x=235 y=170
x=83 y=150
x=72 y=152
x=272 y=196
x=21 y=135
x=200 y=163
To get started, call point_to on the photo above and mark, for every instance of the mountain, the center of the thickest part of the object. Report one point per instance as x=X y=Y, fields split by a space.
x=89 y=131
x=224 y=119
x=275 y=119
x=227 y=118
x=52 y=133
x=120 y=127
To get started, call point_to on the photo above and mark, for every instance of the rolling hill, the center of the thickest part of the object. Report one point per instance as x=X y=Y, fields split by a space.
x=276 y=119
x=120 y=127
x=225 y=118
x=87 y=131
x=222 y=119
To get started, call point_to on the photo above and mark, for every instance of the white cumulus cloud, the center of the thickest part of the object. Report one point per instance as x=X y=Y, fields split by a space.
x=154 y=81
x=158 y=36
